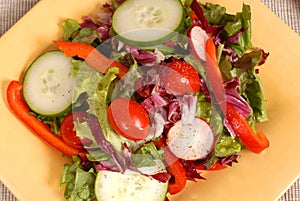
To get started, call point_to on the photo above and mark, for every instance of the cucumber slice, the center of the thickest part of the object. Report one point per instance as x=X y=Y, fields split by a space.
x=148 y=22
x=47 y=84
x=115 y=186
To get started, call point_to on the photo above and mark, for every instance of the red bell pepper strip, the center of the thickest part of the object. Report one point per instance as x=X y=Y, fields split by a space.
x=20 y=108
x=216 y=166
x=214 y=75
x=174 y=167
x=254 y=142
x=91 y=55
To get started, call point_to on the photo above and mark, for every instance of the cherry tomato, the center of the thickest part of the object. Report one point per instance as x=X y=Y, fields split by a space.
x=68 y=132
x=129 y=119
x=181 y=78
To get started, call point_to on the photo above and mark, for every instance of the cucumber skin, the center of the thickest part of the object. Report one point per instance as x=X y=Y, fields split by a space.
x=148 y=44
x=63 y=112
x=141 y=44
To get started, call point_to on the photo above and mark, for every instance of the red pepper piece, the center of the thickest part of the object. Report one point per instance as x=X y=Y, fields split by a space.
x=254 y=142
x=216 y=166
x=214 y=75
x=91 y=55
x=20 y=108
x=174 y=167
x=193 y=16
x=178 y=172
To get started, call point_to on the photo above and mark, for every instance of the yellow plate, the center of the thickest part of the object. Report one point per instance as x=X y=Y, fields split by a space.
x=31 y=168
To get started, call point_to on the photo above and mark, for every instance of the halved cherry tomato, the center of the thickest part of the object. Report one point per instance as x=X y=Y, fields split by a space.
x=181 y=78
x=68 y=132
x=129 y=119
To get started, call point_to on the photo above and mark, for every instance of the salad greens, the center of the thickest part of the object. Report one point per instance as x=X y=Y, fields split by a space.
x=79 y=182
x=94 y=91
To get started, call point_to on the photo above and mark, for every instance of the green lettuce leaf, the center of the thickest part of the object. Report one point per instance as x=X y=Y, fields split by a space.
x=250 y=83
x=79 y=182
x=227 y=146
x=86 y=35
x=244 y=42
x=146 y=155
x=69 y=27
x=255 y=97
x=214 y=13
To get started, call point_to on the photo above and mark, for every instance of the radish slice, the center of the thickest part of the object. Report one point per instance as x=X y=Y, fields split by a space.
x=191 y=141
x=198 y=38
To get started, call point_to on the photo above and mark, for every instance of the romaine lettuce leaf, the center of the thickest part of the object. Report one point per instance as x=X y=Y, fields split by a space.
x=79 y=182
x=227 y=146
x=69 y=27
x=146 y=155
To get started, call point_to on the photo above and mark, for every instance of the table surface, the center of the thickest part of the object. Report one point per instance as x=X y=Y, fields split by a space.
x=286 y=10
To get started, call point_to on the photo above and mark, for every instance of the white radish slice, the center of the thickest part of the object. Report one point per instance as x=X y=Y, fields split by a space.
x=198 y=38
x=191 y=141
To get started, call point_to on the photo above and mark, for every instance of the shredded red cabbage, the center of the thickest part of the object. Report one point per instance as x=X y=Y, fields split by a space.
x=191 y=172
x=106 y=165
x=229 y=160
x=87 y=22
x=265 y=55
x=200 y=14
x=143 y=57
x=233 y=39
x=233 y=97
x=105 y=145
x=103 y=23
x=162 y=176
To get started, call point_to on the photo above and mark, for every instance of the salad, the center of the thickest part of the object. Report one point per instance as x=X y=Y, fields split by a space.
x=144 y=96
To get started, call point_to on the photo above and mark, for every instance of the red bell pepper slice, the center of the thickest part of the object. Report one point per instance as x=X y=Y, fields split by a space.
x=214 y=75
x=254 y=142
x=20 y=108
x=178 y=172
x=91 y=55
x=174 y=167
x=216 y=166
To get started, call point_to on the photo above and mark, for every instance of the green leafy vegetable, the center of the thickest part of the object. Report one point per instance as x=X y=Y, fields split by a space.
x=79 y=182
x=146 y=155
x=86 y=35
x=227 y=146
x=214 y=13
x=69 y=27
x=244 y=41
x=250 y=83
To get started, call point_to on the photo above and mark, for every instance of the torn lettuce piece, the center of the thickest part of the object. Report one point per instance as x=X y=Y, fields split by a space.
x=147 y=155
x=227 y=146
x=69 y=27
x=79 y=182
